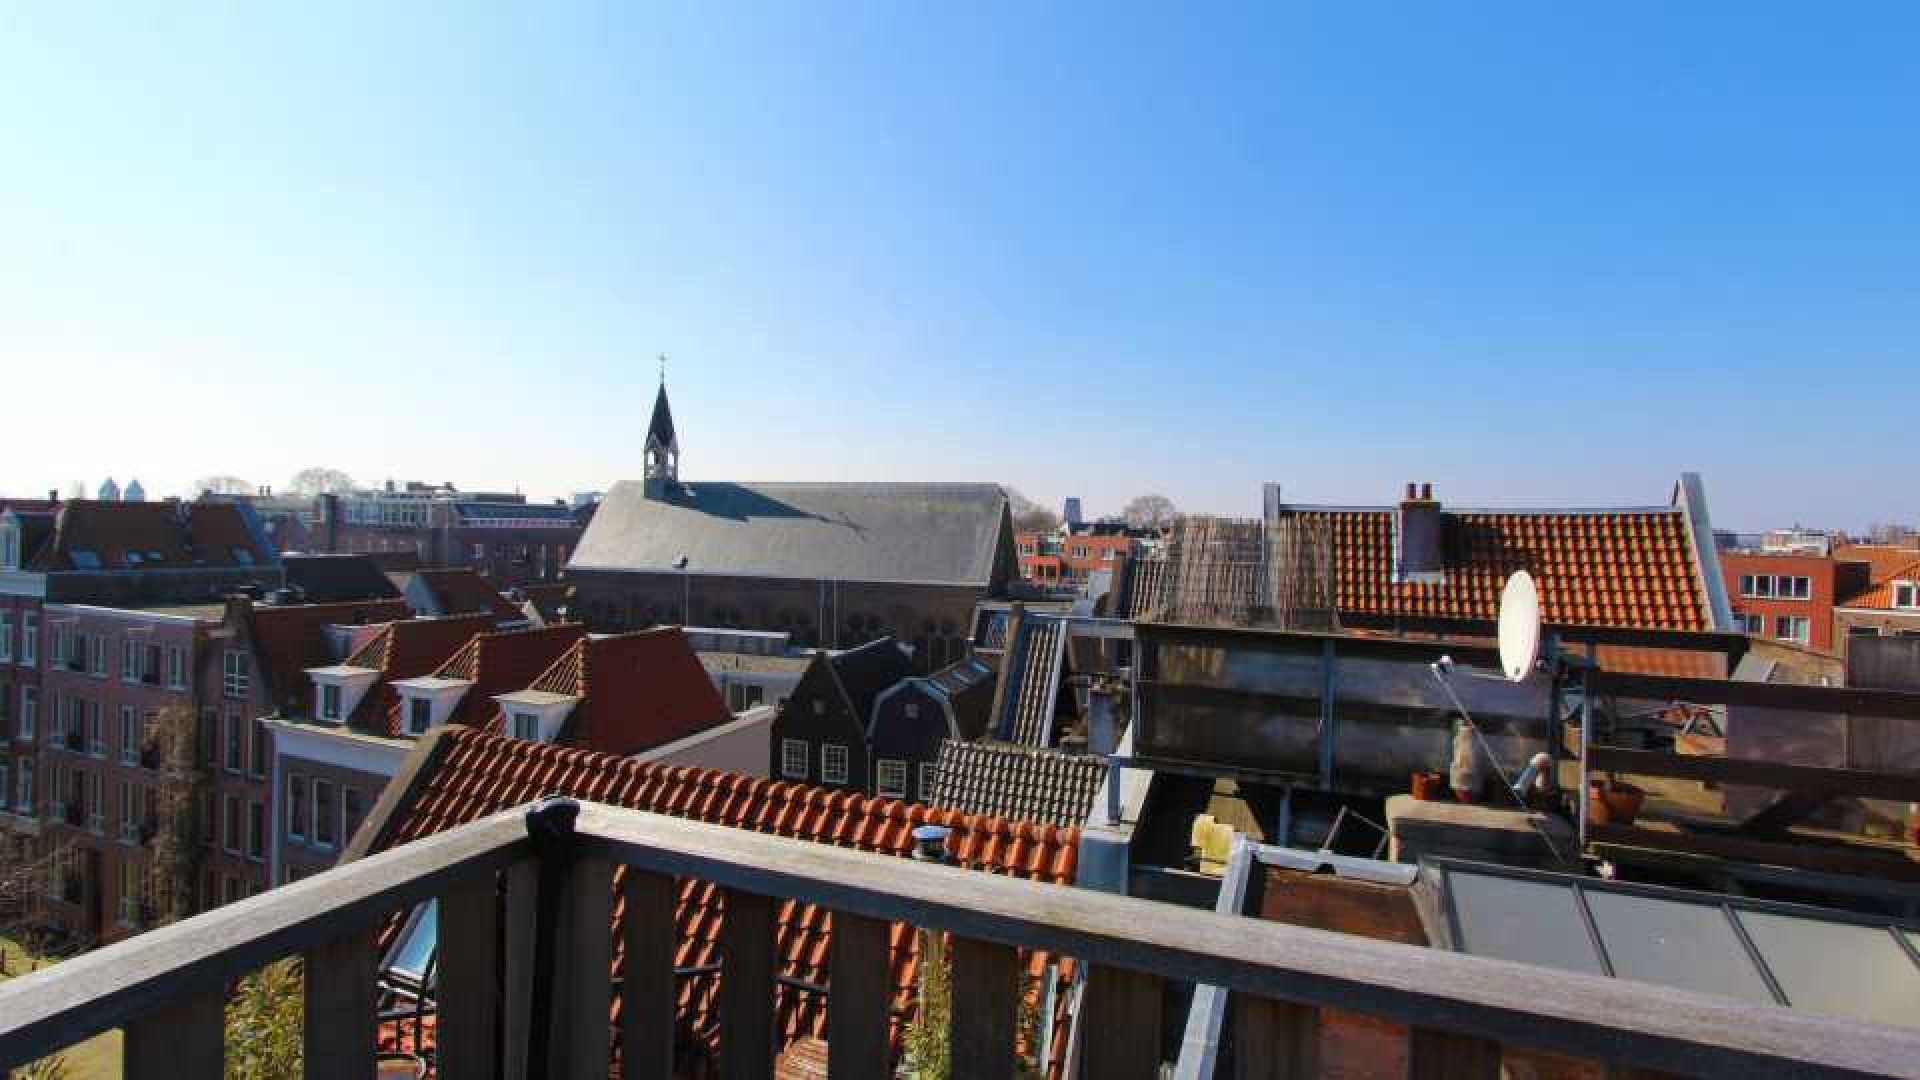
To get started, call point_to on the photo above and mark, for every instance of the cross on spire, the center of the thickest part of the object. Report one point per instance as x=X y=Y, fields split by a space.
x=663 y=369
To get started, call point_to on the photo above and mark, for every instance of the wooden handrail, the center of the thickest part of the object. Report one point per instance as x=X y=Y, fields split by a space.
x=1462 y=1009
x=55 y=1007
x=1613 y=1021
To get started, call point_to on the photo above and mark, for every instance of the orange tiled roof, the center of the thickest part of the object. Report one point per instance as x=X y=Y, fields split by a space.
x=479 y=774
x=637 y=691
x=289 y=639
x=499 y=663
x=405 y=650
x=1889 y=564
x=1624 y=568
x=162 y=534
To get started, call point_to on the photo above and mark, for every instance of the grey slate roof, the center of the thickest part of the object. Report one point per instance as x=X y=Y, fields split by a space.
x=1046 y=787
x=330 y=579
x=868 y=670
x=924 y=533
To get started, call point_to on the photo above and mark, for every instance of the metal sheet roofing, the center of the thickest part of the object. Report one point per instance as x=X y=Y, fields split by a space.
x=931 y=533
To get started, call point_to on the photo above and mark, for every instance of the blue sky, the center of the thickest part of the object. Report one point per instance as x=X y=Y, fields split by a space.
x=1531 y=253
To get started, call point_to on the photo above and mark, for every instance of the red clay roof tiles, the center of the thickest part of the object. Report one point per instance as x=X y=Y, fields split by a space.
x=637 y=691
x=480 y=774
x=1626 y=568
x=405 y=650
x=499 y=663
x=462 y=591
x=289 y=639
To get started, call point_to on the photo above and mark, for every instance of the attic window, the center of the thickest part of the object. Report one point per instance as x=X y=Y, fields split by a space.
x=526 y=726
x=912 y=710
x=1906 y=594
x=419 y=715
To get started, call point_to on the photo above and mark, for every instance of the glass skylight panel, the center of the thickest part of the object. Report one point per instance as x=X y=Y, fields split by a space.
x=1673 y=943
x=1856 y=972
x=1529 y=922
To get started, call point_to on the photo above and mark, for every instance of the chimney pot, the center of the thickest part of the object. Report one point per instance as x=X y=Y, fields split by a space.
x=1426 y=491
x=1410 y=489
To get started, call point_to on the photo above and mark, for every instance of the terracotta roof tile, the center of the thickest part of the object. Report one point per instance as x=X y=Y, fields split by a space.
x=1628 y=568
x=480 y=774
x=637 y=691
x=287 y=640
x=499 y=662
x=404 y=650
x=1888 y=564
x=198 y=534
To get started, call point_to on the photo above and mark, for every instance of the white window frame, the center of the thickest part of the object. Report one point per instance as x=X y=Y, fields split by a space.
x=1800 y=628
x=96 y=729
x=129 y=658
x=6 y=637
x=30 y=637
x=314 y=835
x=129 y=735
x=1911 y=589
x=330 y=701
x=795 y=752
x=890 y=778
x=97 y=656
x=176 y=668
x=29 y=712
x=299 y=805
x=526 y=725
x=833 y=771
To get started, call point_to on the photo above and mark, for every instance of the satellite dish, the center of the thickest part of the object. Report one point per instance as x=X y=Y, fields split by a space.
x=1519 y=625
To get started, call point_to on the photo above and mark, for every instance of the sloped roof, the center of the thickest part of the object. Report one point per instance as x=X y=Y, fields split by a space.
x=499 y=662
x=161 y=534
x=1633 y=567
x=1038 y=667
x=864 y=673
x=1888 y=565
x=329 y=579
x=660 y=428
x=462 y=591
x=932 y=533
x=1018 y=783
x=637 y=691
x=289 y=639
x=404 y=650
x=463 y=775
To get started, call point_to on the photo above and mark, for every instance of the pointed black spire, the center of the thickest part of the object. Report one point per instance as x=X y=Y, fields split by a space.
x=663 y=446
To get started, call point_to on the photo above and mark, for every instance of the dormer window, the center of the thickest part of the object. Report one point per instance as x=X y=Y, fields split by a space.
x=526 y=726
x=9 y=545
x=84 y=559
x=330 y=702
x=1906 y=594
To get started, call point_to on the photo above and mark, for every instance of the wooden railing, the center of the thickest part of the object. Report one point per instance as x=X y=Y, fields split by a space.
x=525 y=902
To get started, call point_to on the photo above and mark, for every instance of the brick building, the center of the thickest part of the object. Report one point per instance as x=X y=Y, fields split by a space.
x=1790 y=597
x=1887 y=601
x=834 y=565
x=1066 y=556
x=505 y=537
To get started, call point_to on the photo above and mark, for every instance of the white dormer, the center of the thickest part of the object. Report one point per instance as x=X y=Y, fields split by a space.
x=337 y=690
x=427 y=701
x=535 y=715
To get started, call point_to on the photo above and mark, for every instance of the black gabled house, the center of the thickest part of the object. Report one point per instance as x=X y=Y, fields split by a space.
x=913 y=717
x=820 y=735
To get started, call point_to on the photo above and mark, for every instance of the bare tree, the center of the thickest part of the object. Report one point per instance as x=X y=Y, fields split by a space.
x=319 y=480
x=222 y=485
x=1030 y=516
x=1150 y=512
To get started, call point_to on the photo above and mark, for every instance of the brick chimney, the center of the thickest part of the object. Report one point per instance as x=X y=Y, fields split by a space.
x=1418 y=548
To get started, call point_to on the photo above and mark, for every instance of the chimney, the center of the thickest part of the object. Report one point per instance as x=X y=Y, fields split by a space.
x=1418 y=552
x=53 y=496
x=1103 y=726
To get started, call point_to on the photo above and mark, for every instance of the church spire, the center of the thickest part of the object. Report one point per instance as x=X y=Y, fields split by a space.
x=663 y=446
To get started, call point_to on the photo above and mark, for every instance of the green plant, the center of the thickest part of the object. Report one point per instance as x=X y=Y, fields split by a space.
x=927 y=1048
x=264 y=1024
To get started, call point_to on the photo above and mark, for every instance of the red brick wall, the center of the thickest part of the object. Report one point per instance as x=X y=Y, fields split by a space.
x=1826 y=576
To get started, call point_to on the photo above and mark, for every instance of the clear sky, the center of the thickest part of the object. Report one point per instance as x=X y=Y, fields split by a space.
x=1533 y=253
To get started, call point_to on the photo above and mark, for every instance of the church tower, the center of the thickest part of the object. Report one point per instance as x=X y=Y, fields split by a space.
x=663 y=447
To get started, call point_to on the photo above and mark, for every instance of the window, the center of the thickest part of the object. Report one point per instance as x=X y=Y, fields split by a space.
x=890 y=779
x=129 y=659
x=129 y=736
x=325 y=824
x=833 y=763
x=1792 y=628
x=23 y=804
x=129 y=814
x=329 y=701
x=96 y=735
x=258 y=766
x=257 y=831
x=96 y=802
x=236 y=742
x=29 y=710
x=1751 y=624
x=793 y=759
x=203 y=819
x=29 y=637
x=912 y=710
x=97 y=656
x=526 y=726
x=1079 y=551
x=928 y=771
x=6 y=637
x=129 y=893
x=176 y=668
x=1906 y=594
x=235 y=676
x=351 y=811
x=419 y=715
x=819 y=707
x=230 y=824
x=6 y=785
x=296 y=806
x=231 y=887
